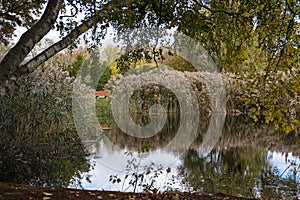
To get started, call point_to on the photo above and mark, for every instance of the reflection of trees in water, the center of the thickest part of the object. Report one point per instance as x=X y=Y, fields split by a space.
x=159 y=140
x=239 y=132
x=237 y=165
x=148 y=95
x=231 y=171
x=274 y=185
x=236 y=171
x=123 y=140
x=42 y=160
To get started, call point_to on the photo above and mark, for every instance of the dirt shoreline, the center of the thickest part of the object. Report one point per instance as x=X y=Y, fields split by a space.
x=14 y=191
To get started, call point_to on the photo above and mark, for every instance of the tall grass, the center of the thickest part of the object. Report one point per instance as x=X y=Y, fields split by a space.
x=38 y=141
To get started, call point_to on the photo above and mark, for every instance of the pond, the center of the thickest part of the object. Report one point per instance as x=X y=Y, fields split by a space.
x=228 y=155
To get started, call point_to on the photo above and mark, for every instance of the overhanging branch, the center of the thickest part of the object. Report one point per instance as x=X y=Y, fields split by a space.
x=32 y=64
x=10 y=63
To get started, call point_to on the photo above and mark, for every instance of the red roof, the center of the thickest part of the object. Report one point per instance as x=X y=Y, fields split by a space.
x=101 y=93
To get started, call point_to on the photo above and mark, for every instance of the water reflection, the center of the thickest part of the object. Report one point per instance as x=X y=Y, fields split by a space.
x=242 y=171
x=57 y=159
x=246 y=160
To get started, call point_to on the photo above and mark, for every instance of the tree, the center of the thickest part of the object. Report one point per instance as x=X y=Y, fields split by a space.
x=215 y=23
x=13 y=13
x=11 y=67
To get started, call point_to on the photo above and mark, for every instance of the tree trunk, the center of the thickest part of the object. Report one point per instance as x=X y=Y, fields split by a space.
x=32 y=64
x=12 y=60
x=11 y=68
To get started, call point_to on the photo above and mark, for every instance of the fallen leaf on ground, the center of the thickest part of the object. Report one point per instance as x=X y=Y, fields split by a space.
x=47 y=194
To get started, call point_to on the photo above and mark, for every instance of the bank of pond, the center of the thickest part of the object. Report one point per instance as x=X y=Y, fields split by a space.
x=245 y=160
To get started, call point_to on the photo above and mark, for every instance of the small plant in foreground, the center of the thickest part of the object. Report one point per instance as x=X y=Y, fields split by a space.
x=140 y=177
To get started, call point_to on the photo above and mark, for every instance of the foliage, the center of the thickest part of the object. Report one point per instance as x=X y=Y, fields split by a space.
x=17 y=13
x=256 y=41
x=104 y=79
x=75 y=66
x=217 y=24
x=260 y=45
x=103 y=111
x=81 y=61
x=278 y=102
x=39 y=144
x=178 y=63
x=272 y=100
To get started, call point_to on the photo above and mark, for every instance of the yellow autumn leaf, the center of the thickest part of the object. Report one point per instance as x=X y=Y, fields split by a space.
x=255 y=118
x=288 y=129
x=246 y=14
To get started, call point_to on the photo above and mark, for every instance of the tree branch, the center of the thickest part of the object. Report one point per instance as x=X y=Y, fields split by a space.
x=76 y=10
x=10 y=63
x=290 y=8
x=32 y=64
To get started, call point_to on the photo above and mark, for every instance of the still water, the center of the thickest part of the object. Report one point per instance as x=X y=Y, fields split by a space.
x=229 y=155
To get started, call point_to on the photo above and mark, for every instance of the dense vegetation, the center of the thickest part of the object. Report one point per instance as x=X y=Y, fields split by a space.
x=257 y=41
x=255 y=45
x=39 y=144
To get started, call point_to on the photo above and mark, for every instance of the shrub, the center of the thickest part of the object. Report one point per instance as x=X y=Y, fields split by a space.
x=39 y=144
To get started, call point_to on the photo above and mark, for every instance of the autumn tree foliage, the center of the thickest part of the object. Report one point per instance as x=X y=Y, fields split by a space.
x=255 y=40
x=222 y=26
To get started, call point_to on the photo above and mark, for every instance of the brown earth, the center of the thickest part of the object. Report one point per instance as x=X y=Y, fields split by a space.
x=19 y=192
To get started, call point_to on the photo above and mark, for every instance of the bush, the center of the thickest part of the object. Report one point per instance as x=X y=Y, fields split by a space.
x=39 y=144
